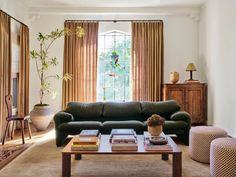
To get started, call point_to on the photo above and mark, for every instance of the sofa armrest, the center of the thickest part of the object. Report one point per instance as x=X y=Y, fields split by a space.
x=62 y=117
x=181 y=115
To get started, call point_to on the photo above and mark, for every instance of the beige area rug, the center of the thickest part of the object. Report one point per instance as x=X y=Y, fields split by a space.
x=44 y=160
x=10 y=151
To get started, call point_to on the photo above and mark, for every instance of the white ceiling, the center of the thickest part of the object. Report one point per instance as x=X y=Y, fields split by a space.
x=113 y=3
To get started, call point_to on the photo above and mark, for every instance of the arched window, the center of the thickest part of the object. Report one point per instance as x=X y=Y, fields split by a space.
x=114 y=66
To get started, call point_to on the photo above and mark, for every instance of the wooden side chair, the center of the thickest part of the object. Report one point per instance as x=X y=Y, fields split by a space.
x=10 y=118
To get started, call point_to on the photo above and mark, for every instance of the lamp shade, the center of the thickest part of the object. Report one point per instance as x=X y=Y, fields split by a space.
x=191 y=67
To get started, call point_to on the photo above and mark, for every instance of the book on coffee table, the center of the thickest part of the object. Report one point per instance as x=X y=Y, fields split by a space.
x=148 y=146
x=85 y=147
x=85 y=140
x=90 y=133
x=156 y=143
x=124 y=147
x=122 y=132
x=124 y=139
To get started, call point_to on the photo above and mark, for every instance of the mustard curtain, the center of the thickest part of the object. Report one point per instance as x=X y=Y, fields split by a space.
x=80 y=60
x=5 y=66
x=147 y=60
x=23 y=95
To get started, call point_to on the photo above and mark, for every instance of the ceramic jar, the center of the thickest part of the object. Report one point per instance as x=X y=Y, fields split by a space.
x=174 y=77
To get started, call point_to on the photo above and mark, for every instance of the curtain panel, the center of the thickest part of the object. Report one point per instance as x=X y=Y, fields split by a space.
x=5 y=65
x=80 y=60
x=23 y=91
x=147 y=60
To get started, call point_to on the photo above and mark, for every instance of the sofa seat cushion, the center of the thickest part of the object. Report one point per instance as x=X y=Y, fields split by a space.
x=75 y=127
x=133 y=124
x=173 y=125
x=177 y=132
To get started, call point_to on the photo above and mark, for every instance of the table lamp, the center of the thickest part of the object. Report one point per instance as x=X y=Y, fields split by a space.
x=191 y=67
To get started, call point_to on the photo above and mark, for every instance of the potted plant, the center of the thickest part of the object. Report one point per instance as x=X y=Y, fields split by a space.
x=41 y=115
x=155 y=123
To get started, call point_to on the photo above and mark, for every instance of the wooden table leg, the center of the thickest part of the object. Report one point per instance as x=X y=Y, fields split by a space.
x=165 y=156
x=77 y=156
x=177 y=164
x=66 y=165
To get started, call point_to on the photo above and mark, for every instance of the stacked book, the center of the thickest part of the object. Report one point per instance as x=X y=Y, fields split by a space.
x=123 y=140
x=88 y=140
x=156 y=143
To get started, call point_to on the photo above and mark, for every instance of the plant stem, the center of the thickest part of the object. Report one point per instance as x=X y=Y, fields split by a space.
x=50 y=45
x=37 y=67
x=41 y=77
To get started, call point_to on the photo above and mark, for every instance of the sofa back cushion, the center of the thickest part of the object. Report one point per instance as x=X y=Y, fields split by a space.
x=122 y=111
x=85 y=111
x=162 y=108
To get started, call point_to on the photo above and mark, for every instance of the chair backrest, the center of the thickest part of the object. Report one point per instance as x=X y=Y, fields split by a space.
x=8 y=100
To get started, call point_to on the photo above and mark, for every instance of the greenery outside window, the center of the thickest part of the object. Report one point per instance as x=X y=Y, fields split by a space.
x=114 y=73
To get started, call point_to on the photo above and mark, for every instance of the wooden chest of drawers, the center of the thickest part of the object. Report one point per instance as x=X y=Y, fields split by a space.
x=192 y=97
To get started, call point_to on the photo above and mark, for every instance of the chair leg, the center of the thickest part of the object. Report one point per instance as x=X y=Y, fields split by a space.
x=30 y=134
x=22 y=131
x=5 y=133
x=13 y=130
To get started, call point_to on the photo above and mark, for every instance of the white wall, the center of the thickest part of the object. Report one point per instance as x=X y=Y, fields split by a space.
x=181 y=42
x=109 y=26
x=181 y=46
x=218 y=60
x=20 y=12
x=16 y=9
x=45 y=25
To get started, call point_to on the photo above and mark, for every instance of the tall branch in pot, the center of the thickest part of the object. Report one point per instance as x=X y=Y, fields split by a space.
x=44 y=62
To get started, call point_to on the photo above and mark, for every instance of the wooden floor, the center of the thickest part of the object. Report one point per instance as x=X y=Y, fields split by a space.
x=35 y=135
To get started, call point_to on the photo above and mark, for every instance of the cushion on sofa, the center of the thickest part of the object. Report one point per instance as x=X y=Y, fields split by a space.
x=85 y=111
x=164 y=109
x=134 y=124
x=76 y=127
x=122 y=111
x=176 y=132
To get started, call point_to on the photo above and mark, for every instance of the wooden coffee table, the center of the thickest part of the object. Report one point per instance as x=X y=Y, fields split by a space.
x=105 y=148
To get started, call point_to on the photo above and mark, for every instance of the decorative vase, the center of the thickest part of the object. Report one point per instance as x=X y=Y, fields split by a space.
x=174 y=77
x=155 y=130
x=41 y=116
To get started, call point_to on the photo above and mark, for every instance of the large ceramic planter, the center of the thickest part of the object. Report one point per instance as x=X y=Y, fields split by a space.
x=41 y=116
x=155 y=130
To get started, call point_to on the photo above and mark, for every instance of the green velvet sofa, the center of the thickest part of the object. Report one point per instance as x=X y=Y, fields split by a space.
x=108 y=115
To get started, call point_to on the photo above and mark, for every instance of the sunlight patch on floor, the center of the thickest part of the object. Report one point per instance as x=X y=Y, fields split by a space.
x=48 y=136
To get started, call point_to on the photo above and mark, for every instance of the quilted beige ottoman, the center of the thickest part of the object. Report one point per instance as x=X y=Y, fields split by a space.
x=200 y=140
x=223 y=157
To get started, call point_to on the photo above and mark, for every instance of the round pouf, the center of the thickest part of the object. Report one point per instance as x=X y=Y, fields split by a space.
x=200 y=140
x=223 y=157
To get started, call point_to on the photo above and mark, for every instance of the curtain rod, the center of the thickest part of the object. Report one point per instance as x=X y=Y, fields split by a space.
x=13 y=18
x=117 y=20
